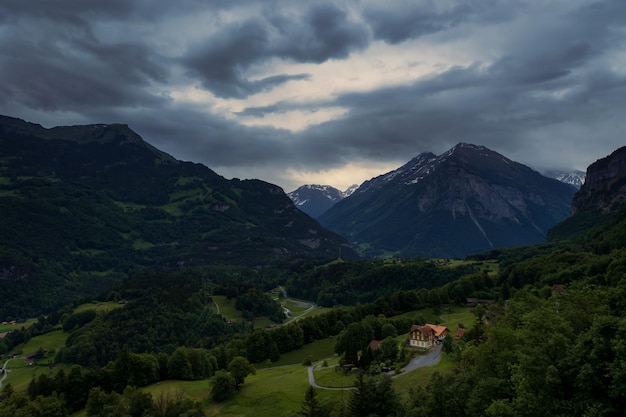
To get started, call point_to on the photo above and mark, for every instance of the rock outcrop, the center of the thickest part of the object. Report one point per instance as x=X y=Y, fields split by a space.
x=604 y=190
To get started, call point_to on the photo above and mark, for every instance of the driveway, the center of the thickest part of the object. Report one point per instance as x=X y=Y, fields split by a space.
x=430 y=359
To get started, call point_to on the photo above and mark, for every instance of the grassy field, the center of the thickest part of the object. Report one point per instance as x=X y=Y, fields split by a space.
x=317 y=351
x=492 y=267
x=274 y=390
x=21 y=372
x=271 y=392
x=10 y=327
x=226 y=307
x=296 y=307
x=105 y=306
x=419 y=377
x=450 y=317
x=50 y=341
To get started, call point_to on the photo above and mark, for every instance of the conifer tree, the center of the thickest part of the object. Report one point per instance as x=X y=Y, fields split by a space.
x=311 y=405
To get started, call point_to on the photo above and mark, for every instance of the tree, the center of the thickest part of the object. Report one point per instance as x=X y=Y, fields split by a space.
x=389 y=349
x=310 y=406
x=7 y=391
x=136 y=403
x=388 y=330
x=382 y=399
x=223 y=386
x=178 y=365
x=358 y=402
x=100 y=404
x=240 y=368
x=78 y=389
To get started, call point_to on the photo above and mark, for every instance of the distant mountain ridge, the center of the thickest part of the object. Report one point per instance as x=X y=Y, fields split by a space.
x=573 y=177
x=467 y=200
x=315 y=199
x=84 y=205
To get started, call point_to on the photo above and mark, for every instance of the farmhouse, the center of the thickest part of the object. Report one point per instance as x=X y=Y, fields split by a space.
x=425 y=337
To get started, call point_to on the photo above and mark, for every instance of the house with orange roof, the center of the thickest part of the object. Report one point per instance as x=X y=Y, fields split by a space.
x=440 y=331
x=426 y=336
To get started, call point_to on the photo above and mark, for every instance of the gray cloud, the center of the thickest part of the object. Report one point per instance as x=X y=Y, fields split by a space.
x=224 y=60
x=414 y=19
x=65 y=65
x=547 y=84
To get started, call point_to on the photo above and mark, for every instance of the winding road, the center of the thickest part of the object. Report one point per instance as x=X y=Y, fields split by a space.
x=6 y=371
x=430 y=359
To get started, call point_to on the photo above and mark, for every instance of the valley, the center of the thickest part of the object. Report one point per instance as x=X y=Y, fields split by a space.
x=158 y=286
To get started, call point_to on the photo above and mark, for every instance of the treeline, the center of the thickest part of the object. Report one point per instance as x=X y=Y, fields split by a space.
x=349 y=283
x=171 y=311
x=554 y=356
x=555 y=345
x=109 y=387
x=129 y=369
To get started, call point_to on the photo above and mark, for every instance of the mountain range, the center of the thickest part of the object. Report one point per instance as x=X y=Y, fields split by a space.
x=573 y=177
x=83 y=206
x=469 y=199
x=315 y=200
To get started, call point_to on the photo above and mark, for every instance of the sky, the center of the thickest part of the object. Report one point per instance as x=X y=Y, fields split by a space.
x=325 y=92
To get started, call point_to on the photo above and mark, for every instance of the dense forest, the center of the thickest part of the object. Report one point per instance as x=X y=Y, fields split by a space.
x=554 y=344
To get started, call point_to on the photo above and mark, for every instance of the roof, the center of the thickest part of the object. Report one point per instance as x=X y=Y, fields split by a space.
x=426 y=329
x=375 y=344
x=459 y=333
x=439 y=330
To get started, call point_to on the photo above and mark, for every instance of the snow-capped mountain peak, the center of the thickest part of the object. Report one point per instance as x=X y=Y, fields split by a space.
x=315 y=199
x=573 y=177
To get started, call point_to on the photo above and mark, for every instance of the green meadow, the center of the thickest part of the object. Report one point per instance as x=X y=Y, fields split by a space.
x=316 y=351
x=10 y=327
x=104 y=306
x=226 y=307
x=276 y=388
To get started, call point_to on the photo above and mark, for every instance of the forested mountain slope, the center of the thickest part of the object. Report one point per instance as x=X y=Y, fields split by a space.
x=82 y=206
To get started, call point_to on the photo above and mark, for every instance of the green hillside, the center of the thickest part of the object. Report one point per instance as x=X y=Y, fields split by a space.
x=84 y=206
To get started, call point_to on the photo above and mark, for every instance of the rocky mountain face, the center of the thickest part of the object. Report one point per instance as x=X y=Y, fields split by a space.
x=467 y=200
x=82 y=206
x=604 y=190
x=315 y=199
x=573 y=177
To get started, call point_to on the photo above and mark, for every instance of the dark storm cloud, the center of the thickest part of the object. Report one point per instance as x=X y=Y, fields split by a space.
x=544 y=73
x=324 y=32
x=395 y=24
x=120 y=10
x=64 y=65
x=225 y=59
x=496 y=105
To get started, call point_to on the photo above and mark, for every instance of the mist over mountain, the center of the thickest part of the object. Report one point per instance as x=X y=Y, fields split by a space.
x=469 y=199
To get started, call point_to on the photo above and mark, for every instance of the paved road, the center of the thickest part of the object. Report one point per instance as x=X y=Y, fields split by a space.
x=430 y=359
x=6 y=371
